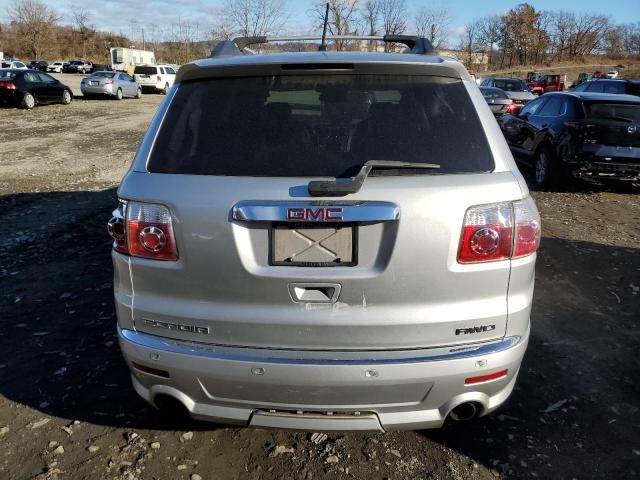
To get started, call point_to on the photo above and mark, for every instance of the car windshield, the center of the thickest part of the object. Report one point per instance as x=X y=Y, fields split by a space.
x=510 y=85
x=145 y=70
x=76 y=62
x=7 y=74
x=102 y=75
x=319 y=125
x=626 y=112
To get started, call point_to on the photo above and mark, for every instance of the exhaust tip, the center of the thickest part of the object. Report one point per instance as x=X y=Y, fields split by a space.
x=464 y=412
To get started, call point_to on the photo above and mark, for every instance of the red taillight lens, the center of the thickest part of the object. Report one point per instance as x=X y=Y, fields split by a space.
x=108 y=82
x=486 y=235
x=7 y=85
x=486 y=378
x=499 y=232
x=527 y=228
x=150 y=231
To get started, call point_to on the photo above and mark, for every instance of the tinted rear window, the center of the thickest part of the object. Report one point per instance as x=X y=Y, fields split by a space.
x=7 y=74
x=510 y=85
x=145 y=70
x=319 y=125
x=626 y=112
x=103 y=74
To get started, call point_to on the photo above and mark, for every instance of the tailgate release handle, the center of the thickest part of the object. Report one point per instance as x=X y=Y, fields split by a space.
x=314 y=292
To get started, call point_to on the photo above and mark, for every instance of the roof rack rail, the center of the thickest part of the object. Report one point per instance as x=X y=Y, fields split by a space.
x=415 y=44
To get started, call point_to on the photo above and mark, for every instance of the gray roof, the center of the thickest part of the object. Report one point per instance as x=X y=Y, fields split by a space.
x=449 y=66
x=599 y=97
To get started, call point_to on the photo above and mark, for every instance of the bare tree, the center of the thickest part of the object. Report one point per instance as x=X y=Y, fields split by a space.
x=342 y=18
x=34 y=21
x=433 y=24
x=489 y=35
x=370 y=15
x=393 y=14
x=81 y=19
x=251 y=18
x=468 y=42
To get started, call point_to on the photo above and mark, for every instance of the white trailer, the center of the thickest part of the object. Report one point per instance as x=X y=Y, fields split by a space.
x=127 y=58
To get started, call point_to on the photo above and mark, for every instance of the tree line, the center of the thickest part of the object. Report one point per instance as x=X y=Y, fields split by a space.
x=521 y=36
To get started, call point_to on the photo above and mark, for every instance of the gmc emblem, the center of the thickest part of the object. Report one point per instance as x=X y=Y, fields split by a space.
x=321 y=214
x=467 y=331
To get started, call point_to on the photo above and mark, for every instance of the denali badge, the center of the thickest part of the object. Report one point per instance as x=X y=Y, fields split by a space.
x=177 y=327
x=321 y=214
x=467 y=331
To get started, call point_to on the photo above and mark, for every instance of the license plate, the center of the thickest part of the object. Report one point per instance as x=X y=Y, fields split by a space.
x=93 y=83
x=317 y=246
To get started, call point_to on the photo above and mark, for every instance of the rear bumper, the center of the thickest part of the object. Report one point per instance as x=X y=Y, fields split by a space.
x=602 y=161
x=322 y=391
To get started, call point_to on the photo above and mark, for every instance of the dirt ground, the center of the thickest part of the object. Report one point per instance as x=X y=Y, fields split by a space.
x=67 y=409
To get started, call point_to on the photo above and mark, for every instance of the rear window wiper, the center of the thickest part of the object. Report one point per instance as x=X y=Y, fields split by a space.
x=337 y=188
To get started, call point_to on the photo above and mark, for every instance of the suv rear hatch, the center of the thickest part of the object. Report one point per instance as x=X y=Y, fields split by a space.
x=146 y=75
x=262 y=263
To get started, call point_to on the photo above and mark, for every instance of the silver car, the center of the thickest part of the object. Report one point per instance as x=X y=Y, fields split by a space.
x=324 y=241
x=113 y=84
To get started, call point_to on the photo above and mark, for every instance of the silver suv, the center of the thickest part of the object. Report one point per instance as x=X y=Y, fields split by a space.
x=324 y=241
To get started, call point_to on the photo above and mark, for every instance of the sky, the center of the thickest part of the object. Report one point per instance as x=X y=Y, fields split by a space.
x=126 y=16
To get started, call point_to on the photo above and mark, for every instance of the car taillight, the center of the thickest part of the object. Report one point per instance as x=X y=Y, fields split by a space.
x=150 y=231
x=7 y=85
x=143 y=230
x=108 y=82
x=499 y=232
x=159 y=78
x=526 y=238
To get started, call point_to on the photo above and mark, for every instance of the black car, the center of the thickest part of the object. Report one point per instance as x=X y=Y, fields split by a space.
x=581 y=134
x=27 y=88
x=40 y=65
x=630 y=87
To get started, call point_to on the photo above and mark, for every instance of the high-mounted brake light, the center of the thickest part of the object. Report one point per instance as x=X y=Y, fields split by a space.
x=150 y=231
x=499 y=232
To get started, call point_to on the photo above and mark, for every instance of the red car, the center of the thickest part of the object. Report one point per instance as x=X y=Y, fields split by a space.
x=553 y=82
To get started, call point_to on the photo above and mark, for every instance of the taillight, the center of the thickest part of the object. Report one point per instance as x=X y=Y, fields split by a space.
x=7 y=85
x=108 y=82
x=526 y=238
x=150 y=231
x=117 y=228
x=159 y=78
x=143 y=230
x=499 y=232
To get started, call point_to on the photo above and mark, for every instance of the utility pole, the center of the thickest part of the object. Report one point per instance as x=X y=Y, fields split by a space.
x=142 y=38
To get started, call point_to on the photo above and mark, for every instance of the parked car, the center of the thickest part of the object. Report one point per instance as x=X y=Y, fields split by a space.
x=56 y=67
x=612 y=74
x=269 y=272
x=554 y=82
x=514 y=88
x=13 y=65
x=581 y=134
x=40 y=65
x=28 y=88
x=499 y=102
x=157 y=78
x=630 y=87
x=78 y=66
x=112 y=84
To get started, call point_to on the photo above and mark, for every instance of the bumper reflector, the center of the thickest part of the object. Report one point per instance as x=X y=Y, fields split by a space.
x=150 y=371
x=486 y=378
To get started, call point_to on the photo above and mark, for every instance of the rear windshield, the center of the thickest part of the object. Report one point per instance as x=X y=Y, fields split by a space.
x=493 y=93
x=145 y=70
x=510 y=85
x=626 y=112
x=103 y=74
x=7 y=74
x=319 y=125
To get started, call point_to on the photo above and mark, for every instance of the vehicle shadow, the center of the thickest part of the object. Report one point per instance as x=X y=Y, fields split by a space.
x=60 y=354
x=579 y=185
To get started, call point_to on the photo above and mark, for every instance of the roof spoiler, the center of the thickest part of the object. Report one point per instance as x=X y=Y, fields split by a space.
x=416 y=45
